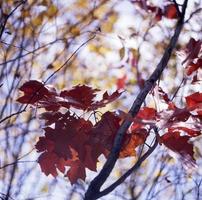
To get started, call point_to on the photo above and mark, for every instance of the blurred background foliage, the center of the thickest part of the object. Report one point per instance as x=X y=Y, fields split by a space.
x=126 y=43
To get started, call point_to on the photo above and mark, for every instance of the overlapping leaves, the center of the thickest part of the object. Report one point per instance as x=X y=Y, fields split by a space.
x=80 y=97
x=72 y=143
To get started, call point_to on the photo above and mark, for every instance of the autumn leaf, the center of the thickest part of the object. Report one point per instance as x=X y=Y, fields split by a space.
x=192 y=50
x=33 y=92
x=147 y=113
x=179 y=144
x=131 y=141
x=121 y=82
x=193 y=67
x=50 y=162
x=170 y=11
x=104 y=131
x=106 y=99
x=81 y=96
x=194 y=101
x=76 y=171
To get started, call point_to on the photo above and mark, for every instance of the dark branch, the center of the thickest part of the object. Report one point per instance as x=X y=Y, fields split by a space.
x=134 y=168
x=94 y=188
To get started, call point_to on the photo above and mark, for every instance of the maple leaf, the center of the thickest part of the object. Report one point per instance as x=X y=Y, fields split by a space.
x=66 y=142
x=104 y=132
x=170 y=11
x=76 y=171
x=49 y=162
x=179 y=115
x=133 y=140
x=147 y=113
x=192 y=50
x=194 y=101
x=192 y=67
x=59 y=139
x=179 y=144
x=81 y=96
x=33 y=92
x=37 y=92
x=64 y=137
x=106 y=99
x=51 y=117
x=121 y=82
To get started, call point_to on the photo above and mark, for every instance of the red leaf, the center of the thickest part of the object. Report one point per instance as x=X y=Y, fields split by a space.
x=147 y=113
x=192 y=50
x=104 y=132
x=37 y=92
x=188 y=131
x=178 y=144
x=132 y=141
x=106 y=99
x=45 y=144
x=49 y=162
x=179 y=115
x=76 y=171
x=33 y=92
x=64 y=137
x=194 y=101
x=121 y=82
x=81 y=96
x=192 y=67
x=171 y=11
x=51 y=117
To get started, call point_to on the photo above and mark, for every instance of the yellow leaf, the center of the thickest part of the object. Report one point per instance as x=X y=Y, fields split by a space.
x=75 y=31
x=100 y=12
x=122 y=52
x=82 y=4
x=37 y=21
x=52 y=11
x=107 y=26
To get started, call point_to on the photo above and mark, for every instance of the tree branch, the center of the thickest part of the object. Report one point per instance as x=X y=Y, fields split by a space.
x=134 y=168
x=94 y=188
x=6 y=17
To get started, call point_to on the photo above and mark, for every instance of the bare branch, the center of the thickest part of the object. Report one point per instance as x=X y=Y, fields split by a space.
x=6 y=17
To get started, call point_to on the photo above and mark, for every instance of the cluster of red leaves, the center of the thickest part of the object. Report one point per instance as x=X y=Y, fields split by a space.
x=72 y=141
x=169 y=11
x=193 y=56
x=80 y=97
x=178 y=133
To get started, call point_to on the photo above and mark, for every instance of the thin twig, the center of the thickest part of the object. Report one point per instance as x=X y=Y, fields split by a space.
x=67 y=61
x=21 y=110
x=6 y=17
